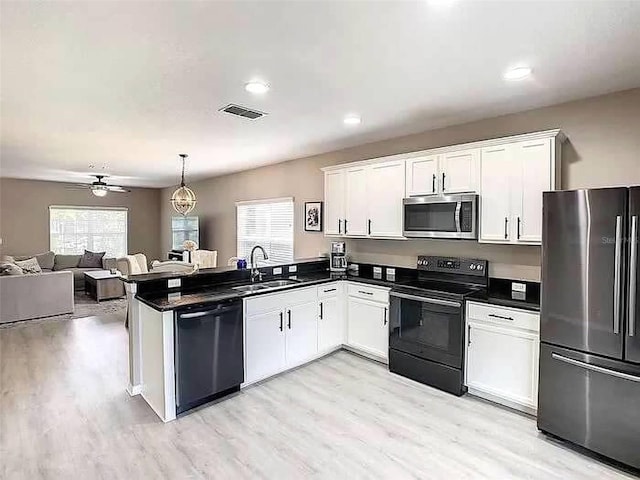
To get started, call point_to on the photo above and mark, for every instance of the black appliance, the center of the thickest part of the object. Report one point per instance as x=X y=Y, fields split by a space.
x=589 y=391
x=426 y=321
x=446 y=216
x=209 y=357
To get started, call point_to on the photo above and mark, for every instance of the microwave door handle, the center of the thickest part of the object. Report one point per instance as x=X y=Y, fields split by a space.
x=457 y=216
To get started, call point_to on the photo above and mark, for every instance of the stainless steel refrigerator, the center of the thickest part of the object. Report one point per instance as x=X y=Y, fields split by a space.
x=589 y=389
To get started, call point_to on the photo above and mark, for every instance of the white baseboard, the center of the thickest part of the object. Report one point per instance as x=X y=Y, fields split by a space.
x=134 y=390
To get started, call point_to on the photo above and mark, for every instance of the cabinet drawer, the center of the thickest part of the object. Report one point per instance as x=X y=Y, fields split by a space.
x=505 y=316
x=328 y=290
x=367 y=292
x=278 y=301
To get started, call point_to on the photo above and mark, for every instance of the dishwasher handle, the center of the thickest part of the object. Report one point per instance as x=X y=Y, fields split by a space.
x=213 y=311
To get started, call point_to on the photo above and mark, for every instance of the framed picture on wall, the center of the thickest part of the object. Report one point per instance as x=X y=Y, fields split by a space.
x=313 y=216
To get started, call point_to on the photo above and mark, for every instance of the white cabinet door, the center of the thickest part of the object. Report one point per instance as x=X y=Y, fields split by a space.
x=264 y=345
x=301 y=333
x=503 y=363
x=385 y=191
x=330 y=324
x=422 y=176
x=495 y=196
x=367 y=327
x=334 y=202
x=458 y=171
x=356 y=202
x=533 y=166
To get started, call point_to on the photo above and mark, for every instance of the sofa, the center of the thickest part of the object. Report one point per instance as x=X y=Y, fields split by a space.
x=51 y=262
x=23 y=297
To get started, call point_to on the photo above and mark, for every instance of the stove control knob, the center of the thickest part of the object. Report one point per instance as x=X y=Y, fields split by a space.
x=480 y=267
x=472 y=266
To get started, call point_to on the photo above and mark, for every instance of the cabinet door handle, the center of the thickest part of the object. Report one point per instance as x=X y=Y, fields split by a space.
x=320 y=310
x=433 y=184
x=369 y=227
x=289 y=319
x=385 y=316
x=365 y=293
x=506 y=222
x=518 y=236
x=339 y=225
x=501 y=317
x=330 y=290
x=468 y=334
x=345 y=225
x=281 y=321
x=443 y=177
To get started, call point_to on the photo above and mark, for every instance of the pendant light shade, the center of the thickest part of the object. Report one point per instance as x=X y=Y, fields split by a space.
x=183 y=199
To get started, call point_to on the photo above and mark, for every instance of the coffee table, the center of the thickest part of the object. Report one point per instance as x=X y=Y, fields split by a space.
x=103 y=285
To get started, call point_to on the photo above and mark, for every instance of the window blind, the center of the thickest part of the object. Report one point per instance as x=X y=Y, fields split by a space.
x=268 y=223
x=74 y=229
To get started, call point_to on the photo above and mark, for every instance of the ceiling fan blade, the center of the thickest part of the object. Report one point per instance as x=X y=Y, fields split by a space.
x=78 y=186
x=117 y=188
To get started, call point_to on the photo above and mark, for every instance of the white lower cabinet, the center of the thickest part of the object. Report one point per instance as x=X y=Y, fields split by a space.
x=502 y=355
x=330 y=324
x=301 y=333
x=264 y=345
x=368 y=323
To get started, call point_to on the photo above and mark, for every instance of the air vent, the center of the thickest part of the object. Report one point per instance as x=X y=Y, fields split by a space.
x=242 y=111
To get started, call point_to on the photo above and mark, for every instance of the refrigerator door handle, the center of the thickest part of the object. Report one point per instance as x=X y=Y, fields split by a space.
x=633 y=275
x=617 y=274
x=595 y=368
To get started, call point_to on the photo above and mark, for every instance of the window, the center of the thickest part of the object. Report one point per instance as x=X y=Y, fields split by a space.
x=268 y=223
x=184 y=228
x=74 y=229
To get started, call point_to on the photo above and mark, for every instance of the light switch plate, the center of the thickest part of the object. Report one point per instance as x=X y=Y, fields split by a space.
x=174 y=282
x=519 y=287
x=277 y=271
x=293 y=268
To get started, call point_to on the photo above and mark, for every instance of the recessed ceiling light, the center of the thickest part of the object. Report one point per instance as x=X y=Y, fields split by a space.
x=352 y=120
x=256 y=87
x=517 y=73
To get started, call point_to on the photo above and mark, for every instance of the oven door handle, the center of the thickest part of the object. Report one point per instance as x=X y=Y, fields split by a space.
x=457 y=216
x=436 y=301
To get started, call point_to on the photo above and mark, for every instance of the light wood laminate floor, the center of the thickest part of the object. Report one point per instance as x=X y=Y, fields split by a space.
x=64 y=413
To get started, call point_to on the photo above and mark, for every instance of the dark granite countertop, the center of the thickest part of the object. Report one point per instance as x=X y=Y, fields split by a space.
x=175 y=298
x=499 y=293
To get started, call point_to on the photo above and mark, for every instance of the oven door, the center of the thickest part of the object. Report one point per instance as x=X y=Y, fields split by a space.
x=426 y=327
x=451 y=216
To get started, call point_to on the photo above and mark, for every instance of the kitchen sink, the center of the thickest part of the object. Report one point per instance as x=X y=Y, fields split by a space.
x=273 y=284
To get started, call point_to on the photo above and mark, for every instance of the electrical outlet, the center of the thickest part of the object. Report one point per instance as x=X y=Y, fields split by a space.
x=174 y=283
x=519 y=287
x=277 y=271
x=391 y=274
x=293 y=268
x=377 y=273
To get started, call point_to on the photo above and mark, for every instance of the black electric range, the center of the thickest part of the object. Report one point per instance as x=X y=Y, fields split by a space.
x=426 y=321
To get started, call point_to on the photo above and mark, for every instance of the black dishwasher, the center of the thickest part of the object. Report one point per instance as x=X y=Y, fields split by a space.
x=209 y=359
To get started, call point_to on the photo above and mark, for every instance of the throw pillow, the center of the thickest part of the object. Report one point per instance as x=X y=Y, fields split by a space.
x=29 y=266
x=10 y=268
x=45 y=260
x=91 y=259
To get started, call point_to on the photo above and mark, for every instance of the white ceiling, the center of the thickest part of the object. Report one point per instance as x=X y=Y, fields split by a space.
x=129 y=85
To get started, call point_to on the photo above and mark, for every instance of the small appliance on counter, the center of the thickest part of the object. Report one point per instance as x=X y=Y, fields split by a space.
x=426 y=321
x=338 y=257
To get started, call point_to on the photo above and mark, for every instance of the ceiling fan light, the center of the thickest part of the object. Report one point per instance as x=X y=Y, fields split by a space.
x=99 y=190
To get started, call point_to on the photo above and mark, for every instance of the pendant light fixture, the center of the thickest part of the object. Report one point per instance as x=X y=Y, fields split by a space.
x=183 y=199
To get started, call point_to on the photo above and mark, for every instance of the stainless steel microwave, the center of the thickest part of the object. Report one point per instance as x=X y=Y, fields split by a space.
x=446 y=216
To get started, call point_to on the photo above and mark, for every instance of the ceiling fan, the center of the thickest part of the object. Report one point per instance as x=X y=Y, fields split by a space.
x=100 y=188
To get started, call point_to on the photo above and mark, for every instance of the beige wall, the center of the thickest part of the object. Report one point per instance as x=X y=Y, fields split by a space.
x=24 y=214
x=603 y=150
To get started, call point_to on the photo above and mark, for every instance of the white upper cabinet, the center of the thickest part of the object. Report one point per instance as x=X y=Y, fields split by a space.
x=356 y=224
x=534 y=174
x=458 y=171
x=334 y=202
x=512 y=179
x=495 y=184
x=385 y=191
x=422 y=176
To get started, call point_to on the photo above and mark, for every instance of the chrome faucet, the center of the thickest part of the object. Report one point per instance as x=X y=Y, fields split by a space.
x=255 y=273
